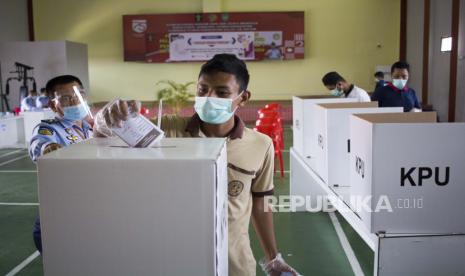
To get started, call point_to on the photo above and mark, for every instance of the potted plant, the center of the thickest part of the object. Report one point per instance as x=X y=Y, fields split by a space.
x=175 y=95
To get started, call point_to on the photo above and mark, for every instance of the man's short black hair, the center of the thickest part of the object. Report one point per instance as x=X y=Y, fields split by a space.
x=400 y=65
x=379 y=74
x=227 y=63
x=60 y=80
x=332 y=78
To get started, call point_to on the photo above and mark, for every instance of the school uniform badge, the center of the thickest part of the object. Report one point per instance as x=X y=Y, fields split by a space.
x=235 y=188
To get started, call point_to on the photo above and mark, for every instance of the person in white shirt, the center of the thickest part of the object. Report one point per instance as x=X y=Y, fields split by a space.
x=339 y=87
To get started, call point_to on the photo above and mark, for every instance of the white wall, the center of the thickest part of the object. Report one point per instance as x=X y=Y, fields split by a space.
x=460 y=103
x=415 y=11
x=13 y=20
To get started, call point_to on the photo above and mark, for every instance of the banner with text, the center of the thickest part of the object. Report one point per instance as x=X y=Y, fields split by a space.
x=198 y=37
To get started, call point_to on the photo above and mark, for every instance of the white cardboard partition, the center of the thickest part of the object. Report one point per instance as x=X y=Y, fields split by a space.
x=420 y=255
x=414 y=164
x=12 y=132
x=107 y=209
x=304 y=120
x=332 y=142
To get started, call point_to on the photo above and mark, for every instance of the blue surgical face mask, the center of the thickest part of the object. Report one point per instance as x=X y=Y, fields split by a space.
x=399 y=83
x=76 y=112
x=336 y=92
x=214 y=110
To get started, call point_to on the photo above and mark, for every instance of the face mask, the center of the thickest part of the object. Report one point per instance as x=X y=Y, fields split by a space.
x=76 y=112
x=214 y=110
x=399 y=83
x=336 y=92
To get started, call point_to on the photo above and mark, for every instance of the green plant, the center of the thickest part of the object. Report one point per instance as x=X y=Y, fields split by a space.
x=175 y=95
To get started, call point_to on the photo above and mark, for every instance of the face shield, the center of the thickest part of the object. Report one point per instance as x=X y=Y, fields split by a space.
x=72 y=103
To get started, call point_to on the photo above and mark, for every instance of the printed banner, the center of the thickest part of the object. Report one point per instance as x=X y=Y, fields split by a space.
x=199 y=36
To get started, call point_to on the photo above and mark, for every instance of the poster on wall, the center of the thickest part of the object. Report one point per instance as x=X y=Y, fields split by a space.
x=199 y=36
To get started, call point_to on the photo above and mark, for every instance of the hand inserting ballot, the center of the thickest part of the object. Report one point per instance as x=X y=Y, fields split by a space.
x=113 y=114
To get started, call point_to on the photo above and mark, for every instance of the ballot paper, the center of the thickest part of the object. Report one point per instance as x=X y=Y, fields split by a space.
x=139 y=132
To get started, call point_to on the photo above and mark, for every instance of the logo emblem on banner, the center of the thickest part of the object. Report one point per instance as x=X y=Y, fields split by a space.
x=139 y=26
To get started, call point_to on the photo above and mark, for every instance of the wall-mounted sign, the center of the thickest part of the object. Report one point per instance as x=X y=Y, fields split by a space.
x=199 y=36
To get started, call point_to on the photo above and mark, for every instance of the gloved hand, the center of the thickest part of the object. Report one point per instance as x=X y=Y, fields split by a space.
x=278 y=267
x=113 y=114
x=51 y=147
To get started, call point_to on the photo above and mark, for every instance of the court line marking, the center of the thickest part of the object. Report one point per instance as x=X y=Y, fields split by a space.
x=23 y=264
x=356 y=268
x=10 y=153
x=13 y=160
x=18 y=204
x=17 y=171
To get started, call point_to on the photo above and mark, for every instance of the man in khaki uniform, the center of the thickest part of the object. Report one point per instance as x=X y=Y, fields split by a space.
x=222 y=88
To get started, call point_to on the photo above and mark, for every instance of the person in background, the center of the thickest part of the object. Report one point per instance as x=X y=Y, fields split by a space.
x=339 y=87
x=379 y=79
x=397 y=93
x=68 y=127
x=221 y=90
x=274 y=52
x=43 y=100
x=29 y=102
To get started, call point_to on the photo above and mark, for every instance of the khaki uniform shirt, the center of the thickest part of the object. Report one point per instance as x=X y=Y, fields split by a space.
x=250 y=173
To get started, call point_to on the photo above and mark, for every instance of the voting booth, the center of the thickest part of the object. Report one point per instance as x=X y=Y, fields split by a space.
x=12 y=132
x=415 y=164
x=409 y=167
x=107 y=209
x=304 y=120
x=32 y=119
x=332 y=138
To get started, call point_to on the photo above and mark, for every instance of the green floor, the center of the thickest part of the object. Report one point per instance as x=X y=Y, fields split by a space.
x=308 y=241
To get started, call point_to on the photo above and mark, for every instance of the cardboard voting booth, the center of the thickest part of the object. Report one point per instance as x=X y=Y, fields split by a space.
x=12 y=132
x=304 y=120
x=332 y=139
x=412 y=165
x=107 y=209
x=419 y=255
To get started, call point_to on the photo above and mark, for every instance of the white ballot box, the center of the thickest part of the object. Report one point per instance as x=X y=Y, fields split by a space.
x=304 y=120
x=332 y=139
x=32 y=119
x=412 y=168
x=107 y=209
x=12 y=132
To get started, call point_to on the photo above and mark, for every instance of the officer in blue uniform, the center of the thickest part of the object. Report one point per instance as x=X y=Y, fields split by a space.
x=69 y=126
x=43 y=100
x=58 y=132
x=29 y=103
